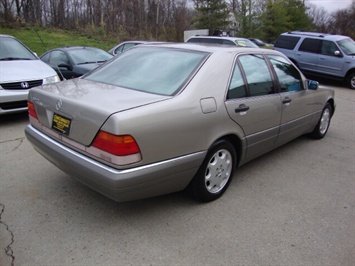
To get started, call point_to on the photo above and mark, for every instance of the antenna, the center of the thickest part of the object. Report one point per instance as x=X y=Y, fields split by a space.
x=60 y=72
x=40 y=39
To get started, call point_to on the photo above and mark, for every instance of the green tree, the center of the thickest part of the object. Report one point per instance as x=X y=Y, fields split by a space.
x=211 y=14
x=297 y=13
x=284 y=15
x=275 y=20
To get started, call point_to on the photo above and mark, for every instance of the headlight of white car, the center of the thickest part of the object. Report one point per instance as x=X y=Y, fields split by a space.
x=52 y=79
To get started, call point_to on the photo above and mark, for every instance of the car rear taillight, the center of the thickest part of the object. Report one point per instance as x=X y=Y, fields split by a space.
x=117 y=145
x=32 y=110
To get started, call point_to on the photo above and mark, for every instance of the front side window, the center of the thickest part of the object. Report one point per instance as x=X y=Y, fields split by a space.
x=329 y=48
x=288 y=76
x=150 y=69
x=310 y=45
x=257 y=75
x=58 y=58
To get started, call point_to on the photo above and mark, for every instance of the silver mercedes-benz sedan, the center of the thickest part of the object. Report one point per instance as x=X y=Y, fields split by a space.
x=162 y=118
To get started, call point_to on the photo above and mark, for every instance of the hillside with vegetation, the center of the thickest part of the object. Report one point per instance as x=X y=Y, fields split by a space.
x=44 y=24
x=41 y=39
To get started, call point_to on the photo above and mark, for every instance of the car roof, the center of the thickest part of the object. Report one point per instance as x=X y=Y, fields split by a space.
x=210 y=48
x=321 y=35
x=5 y=35
x=218 y=37
x=75 y=47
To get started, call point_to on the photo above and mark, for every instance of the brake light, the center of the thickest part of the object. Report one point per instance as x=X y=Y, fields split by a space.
x=32 y=110
x=117 y=145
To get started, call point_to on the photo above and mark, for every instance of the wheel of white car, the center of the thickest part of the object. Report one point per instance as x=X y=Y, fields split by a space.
x=215 y=173
x=322 y=127
x=351 y=80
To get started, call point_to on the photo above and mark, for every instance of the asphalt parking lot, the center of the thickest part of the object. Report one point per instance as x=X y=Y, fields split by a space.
x=293 y=206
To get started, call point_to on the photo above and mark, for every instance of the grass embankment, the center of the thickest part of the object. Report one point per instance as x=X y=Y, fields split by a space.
x=40 y=40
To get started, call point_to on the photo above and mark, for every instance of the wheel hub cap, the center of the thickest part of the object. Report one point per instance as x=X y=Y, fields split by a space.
x=218 y=171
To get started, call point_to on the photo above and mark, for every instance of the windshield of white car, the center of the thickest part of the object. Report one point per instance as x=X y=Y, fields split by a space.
x=348 y=46
x=155 y=70
x=11 y=50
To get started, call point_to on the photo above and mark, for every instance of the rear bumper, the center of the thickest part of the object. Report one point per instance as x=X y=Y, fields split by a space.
x=120 y=185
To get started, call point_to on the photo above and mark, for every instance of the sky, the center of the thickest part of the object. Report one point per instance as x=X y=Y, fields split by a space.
x=330 y=5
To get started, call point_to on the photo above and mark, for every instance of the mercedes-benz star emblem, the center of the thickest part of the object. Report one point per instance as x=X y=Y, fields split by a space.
x=59 y=104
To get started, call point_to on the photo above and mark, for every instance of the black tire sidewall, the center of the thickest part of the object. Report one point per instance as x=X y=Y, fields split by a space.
x=316 y=133
x=350 y=77
x=198 y=187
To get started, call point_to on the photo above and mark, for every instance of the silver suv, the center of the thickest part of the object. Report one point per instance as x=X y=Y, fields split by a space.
x=330 y=56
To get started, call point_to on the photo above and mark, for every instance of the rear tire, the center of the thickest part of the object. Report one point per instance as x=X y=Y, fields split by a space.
x=216 y=172
x=321 y=128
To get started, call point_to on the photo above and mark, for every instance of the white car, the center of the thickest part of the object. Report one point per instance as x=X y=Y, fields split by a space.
x=20 y=70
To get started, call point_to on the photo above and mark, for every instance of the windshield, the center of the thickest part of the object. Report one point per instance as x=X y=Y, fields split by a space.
x=246 y=43
x=88 y=55
x=150 y=69
x=11 y=49
x=348 y=46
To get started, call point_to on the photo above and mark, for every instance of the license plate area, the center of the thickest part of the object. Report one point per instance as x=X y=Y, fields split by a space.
x=61 y=124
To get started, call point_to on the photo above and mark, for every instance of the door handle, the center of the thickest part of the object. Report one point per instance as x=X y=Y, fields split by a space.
x=286 y=101
x=242 y=108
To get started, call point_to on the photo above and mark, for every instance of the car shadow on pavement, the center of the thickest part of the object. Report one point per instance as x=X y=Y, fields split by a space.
x=8 y=119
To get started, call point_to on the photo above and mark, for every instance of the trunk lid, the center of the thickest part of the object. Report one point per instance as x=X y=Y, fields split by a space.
x=78 y=108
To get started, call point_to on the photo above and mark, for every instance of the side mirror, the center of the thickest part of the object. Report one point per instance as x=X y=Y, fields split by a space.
x=312 y=85
x=69 y=67
x=338 y=53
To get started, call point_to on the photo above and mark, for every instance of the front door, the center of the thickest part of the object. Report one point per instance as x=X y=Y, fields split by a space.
x=328 y=62
x=297 y=102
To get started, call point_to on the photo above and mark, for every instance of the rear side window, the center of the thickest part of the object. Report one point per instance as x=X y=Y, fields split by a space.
x=228 y=42
x=236 y=87
x=206 y=40
x=193 y=40
x=310 y=45
x=287 y=42
x=124 y=47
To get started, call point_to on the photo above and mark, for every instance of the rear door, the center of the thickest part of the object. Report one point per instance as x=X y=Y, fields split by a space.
x=253 y=104
x=307 y=54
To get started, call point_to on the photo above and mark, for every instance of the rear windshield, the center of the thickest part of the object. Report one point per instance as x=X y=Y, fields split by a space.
x=150 y=69
x=287 y=42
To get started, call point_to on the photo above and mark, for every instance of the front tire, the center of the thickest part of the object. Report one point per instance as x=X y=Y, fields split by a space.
x=351 y=80
x=322 y=127
x=216 y=172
